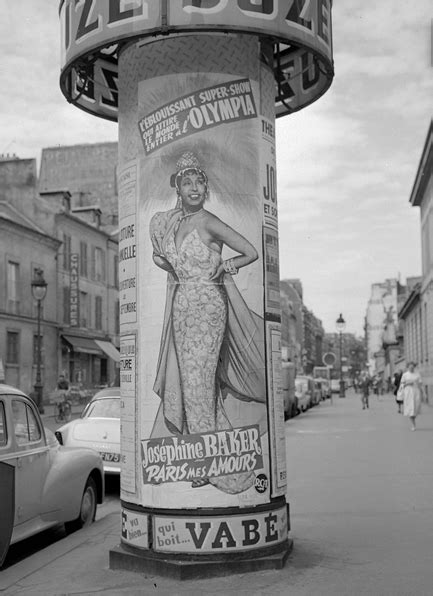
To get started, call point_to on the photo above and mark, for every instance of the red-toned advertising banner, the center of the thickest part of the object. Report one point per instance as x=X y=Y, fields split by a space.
x=93 y=32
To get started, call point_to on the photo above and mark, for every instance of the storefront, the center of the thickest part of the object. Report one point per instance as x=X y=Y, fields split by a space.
x=88 y=362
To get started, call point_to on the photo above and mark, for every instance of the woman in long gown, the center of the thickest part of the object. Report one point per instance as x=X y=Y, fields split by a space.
x=412 y=388
x=187 y=243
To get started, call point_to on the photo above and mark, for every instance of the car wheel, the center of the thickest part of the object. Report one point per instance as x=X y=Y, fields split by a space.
x=87 y=508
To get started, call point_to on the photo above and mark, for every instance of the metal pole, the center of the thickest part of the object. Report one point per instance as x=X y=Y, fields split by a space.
x=342 y=394
x=38 y=383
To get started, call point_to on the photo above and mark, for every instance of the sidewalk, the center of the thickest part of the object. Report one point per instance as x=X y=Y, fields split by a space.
x=361 y=497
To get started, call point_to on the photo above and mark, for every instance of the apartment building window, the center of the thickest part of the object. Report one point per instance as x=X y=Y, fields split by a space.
x=66 y=305
x=66 y=251
x=83 y=259
x=98 y=264
x=84 y=310
x=12 y=347
x=116 y=271
x=13 y=287
x=98 y=312
x=35 y=349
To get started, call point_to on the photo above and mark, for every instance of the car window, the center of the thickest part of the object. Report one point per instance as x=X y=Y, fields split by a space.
x=3 y=430
x=104 y=408
x=26 y=426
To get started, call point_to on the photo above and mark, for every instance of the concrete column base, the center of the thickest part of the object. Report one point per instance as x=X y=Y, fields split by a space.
x=182 y=568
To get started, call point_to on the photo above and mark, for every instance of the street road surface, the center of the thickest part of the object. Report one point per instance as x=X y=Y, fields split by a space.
x=360 y=488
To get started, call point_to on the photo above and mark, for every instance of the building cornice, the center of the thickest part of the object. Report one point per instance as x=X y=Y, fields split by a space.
x=411 y=301
x=425 y=169
x=31 y=232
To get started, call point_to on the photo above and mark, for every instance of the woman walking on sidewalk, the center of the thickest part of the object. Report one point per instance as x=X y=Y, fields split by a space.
x=412 y=389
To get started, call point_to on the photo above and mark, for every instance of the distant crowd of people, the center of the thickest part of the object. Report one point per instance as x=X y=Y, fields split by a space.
x=406 y=387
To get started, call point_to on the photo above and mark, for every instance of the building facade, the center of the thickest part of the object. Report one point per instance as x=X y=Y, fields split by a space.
x=382 y=307
x=301 y=331
x=291 y=322
x=24 y=248
x=79 y=259
x=88 y=171
x=420 y=331
x=411 y=316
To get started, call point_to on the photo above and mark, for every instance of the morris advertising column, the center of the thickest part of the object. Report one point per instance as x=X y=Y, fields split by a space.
x=196 y=86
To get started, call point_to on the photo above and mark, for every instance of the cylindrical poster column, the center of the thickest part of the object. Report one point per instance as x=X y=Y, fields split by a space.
x=202 y=420
x=196 y=86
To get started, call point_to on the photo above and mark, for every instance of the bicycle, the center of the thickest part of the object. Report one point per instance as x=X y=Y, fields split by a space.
x=63 y=411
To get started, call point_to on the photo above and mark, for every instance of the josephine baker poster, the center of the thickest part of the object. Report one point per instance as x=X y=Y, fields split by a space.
x=203 y=431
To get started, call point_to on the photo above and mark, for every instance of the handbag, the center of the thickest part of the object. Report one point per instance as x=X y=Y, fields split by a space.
x=400 y=391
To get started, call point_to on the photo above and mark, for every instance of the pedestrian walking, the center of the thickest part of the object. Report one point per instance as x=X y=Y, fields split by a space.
x=364 y=385
x=398 y=394
x=412 y=390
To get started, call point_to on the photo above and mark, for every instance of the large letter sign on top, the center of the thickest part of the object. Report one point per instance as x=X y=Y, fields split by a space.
x=94 y=31
x=263 y=8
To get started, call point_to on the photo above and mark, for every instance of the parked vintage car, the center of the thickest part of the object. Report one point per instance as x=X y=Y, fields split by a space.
x=97 y=428
x=289 y=393
x=316 y=396
x=42 y=484
x=304 y=388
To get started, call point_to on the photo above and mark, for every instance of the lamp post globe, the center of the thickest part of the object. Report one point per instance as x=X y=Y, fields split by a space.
x=39 y=291
x=341 y=326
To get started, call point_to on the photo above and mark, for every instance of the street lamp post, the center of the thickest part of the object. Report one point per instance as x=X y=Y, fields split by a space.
x=39 y=290
x=341 y=325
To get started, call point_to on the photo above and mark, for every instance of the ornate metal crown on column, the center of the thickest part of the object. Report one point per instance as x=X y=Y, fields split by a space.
x=94 y=31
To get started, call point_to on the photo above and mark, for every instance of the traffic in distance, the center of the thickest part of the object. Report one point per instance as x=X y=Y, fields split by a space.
x=302 y=392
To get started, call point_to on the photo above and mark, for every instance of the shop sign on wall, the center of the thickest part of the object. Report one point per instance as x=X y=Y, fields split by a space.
x=74 y=292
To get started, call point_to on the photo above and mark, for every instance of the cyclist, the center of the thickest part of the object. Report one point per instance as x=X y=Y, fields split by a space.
x=62 y=383
x=63 y=388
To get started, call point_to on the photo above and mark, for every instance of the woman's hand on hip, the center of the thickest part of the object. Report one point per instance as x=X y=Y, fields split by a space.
x=218 y=272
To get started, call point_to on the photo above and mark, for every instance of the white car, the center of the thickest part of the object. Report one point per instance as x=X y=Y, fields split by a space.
x=304 y=387
x=41 y=483
x=97 y=428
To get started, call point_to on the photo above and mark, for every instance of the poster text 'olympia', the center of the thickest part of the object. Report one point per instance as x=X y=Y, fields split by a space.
x=197 y=111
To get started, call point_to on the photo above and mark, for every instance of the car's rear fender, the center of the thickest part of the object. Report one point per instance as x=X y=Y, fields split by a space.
x=65 y=482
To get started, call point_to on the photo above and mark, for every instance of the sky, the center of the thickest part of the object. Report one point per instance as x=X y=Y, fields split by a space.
x=345 y=165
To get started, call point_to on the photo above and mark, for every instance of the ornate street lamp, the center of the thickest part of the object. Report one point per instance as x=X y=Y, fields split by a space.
x=341 y=326
x=39 y=291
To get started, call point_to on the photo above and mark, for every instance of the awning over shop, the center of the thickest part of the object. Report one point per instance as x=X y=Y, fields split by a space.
x=83 y=344
x=109 y=349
